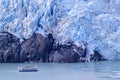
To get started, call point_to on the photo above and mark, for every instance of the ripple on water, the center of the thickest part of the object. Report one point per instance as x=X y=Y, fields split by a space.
x=112 y=75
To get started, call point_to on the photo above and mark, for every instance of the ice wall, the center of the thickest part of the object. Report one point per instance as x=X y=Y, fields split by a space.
x=95 y=21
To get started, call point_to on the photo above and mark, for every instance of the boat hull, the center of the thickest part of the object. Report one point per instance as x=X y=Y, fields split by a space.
x=28 y=70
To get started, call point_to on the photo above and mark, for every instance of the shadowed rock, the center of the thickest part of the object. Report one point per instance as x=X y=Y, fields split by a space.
x=65 y=53
x=96 y=56
x=36 y=48
x=32 y=49
x=81 y=50
x=43 y=49
x=9 y=48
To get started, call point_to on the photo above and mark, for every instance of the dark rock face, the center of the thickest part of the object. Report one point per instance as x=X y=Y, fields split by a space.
x=36 y=48
x=96 y=56
x=32 y=49
x=82 y=51
x=67 y=53
x=64 y=56
x=42 y=49
x=9 y=48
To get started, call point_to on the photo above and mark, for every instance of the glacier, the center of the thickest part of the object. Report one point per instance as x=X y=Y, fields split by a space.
x=96 y=22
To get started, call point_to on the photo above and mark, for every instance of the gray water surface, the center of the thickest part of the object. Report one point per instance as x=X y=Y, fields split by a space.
x=108 y=70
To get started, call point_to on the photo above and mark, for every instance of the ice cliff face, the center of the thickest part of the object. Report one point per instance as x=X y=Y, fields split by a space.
x=95 y=21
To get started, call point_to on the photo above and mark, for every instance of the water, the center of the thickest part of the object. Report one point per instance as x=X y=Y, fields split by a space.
x=108 y=70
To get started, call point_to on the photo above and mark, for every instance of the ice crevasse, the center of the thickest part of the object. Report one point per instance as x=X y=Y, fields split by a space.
x=96 y=22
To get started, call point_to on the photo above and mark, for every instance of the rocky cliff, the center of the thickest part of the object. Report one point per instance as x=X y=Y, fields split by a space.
x=42 y=49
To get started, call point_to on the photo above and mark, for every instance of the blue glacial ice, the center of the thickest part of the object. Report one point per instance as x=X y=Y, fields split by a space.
x=95 y=21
